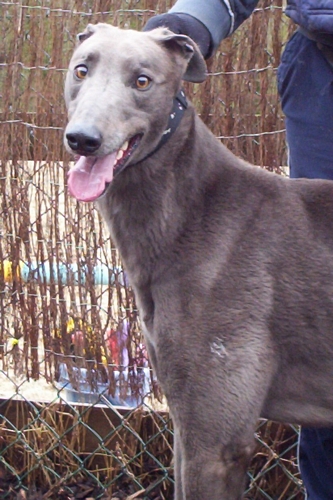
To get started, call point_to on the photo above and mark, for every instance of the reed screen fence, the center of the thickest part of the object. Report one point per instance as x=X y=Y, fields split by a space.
x=81 y=415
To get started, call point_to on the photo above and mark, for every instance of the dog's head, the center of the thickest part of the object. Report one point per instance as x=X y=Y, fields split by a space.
x=194 y=64
x=119 y=93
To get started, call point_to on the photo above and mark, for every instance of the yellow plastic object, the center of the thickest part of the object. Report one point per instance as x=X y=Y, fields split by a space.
x=8 y=270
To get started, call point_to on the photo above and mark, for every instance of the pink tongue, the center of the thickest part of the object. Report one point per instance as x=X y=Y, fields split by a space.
x=89 y=176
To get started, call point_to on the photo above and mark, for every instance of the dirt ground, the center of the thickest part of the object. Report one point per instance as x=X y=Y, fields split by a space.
x=33 y=390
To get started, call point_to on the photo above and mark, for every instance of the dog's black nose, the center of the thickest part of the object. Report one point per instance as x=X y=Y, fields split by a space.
x=85 y=140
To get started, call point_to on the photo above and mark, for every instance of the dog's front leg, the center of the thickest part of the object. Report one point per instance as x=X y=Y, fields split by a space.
x=178 y=466
x=215 y=474
x=214 y=431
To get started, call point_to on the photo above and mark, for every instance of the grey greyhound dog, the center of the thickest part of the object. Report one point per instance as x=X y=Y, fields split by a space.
x=232 y=266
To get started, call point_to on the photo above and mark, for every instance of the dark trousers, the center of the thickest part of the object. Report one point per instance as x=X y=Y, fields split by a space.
x=305 y=82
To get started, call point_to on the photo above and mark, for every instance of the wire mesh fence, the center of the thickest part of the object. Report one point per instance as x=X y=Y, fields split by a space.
x=81 y=415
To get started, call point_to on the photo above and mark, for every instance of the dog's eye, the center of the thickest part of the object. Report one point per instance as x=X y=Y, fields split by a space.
x=142 y=82
x=80 y=72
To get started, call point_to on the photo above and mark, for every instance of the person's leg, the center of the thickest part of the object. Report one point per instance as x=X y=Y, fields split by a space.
x=315 y=455
x=305 y=82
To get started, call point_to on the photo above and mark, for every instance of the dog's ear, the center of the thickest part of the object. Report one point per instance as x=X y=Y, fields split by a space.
x=196 y=70
x=90 y=30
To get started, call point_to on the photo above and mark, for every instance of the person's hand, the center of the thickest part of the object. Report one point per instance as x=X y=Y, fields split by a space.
x=183 y=24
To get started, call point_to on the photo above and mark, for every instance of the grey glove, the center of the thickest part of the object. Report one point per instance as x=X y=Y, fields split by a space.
x=183 y=24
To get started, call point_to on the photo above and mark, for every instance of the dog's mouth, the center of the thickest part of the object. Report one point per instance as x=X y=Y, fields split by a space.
x=89 y=178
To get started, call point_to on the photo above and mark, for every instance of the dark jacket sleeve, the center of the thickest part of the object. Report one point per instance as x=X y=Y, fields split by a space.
x=221 y=17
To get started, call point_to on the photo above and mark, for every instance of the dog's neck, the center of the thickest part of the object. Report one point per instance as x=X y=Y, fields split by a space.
x=151 y=202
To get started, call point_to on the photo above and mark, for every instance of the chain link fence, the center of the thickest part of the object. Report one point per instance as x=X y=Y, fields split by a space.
x=81 y=415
